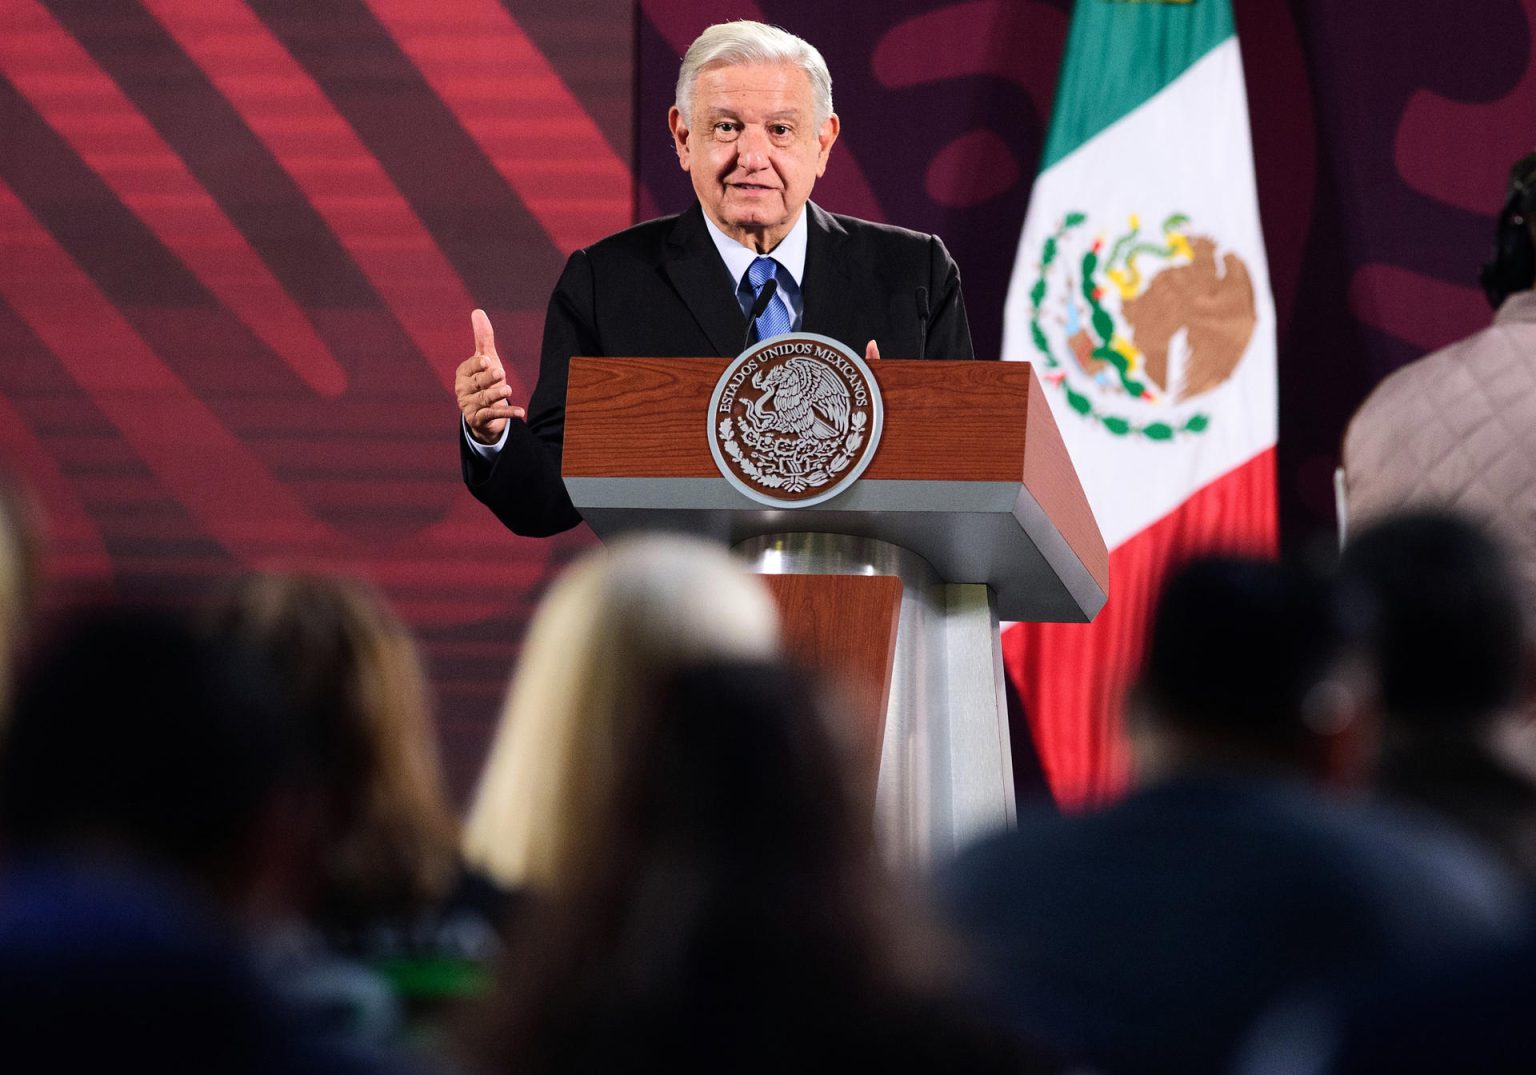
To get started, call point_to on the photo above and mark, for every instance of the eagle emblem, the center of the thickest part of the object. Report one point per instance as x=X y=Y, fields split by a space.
x=801 y=398
x=794 y=419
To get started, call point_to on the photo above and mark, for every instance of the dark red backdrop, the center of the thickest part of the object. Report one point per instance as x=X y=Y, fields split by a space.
x=239 y=243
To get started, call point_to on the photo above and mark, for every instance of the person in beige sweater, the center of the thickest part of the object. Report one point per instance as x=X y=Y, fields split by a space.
x=1453 y=430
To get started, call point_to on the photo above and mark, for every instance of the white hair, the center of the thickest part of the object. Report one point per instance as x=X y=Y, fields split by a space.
x=608 y=633
x=746 y=42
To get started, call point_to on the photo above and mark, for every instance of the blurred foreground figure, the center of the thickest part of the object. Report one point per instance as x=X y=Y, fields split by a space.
x=1147 y=936
x=1450 y=651
x=134 y=740
x=703 y=888
x=147 y=810
x=1450 y=654
x=351 y=669
x=386 y=906
x=609 y=632
x=727 y=912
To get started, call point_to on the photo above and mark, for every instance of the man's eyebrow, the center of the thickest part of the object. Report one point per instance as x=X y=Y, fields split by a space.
x=731 y=113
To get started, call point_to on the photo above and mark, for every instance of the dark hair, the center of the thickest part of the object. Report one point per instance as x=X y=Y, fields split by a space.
x=1446 y=635
x=1237 y=645
x=133 y=731
x=1513 y=266
x=731 y=904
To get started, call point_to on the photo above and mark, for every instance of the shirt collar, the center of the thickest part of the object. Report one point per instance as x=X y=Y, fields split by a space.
x=790 y=253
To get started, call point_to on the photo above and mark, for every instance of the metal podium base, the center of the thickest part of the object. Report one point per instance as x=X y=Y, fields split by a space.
x=946 y=775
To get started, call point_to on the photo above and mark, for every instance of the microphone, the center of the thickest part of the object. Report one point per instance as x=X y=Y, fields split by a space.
x=764 y=297
x=922 y=322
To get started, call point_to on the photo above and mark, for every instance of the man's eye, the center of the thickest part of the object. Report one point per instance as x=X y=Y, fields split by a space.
x=725 y=131
x=781 y=130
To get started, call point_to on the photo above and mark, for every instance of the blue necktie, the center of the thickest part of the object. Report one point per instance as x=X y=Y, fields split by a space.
x=775 y=319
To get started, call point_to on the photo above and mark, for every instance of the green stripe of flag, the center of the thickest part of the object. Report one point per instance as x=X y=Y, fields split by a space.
x=1119 y=54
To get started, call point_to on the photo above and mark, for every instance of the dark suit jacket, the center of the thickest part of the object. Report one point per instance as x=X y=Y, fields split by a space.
x=659 y=289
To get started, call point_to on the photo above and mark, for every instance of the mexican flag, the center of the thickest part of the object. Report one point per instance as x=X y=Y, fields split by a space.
x=1141 y=294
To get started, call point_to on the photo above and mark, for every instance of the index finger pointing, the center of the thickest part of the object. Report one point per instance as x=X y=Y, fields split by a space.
x=485 y=339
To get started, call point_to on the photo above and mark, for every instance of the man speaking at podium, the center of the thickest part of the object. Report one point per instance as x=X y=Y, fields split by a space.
x=753 y=127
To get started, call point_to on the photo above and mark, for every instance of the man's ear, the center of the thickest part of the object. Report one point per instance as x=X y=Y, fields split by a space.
x=679 y=128
x=825 y=137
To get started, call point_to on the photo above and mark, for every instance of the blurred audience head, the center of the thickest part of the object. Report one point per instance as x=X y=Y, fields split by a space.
x=727 y=907
x=1449 y=650
x=1246 y=669
x=135 y=737
x=349 y=669
x=733 y=764
x=607 y=635
x=733 y=805
x=1446 y=635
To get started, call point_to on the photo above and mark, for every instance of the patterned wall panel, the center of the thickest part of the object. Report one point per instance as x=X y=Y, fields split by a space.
x=240 y=246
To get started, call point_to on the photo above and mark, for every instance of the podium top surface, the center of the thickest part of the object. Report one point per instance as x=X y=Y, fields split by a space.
x=970 y=472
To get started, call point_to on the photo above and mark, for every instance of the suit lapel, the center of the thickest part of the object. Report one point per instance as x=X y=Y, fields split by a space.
x=696 y=271
x=831 y=295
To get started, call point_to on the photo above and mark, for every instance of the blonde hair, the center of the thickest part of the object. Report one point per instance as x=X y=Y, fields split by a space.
x=352 y=668
x=609 y=631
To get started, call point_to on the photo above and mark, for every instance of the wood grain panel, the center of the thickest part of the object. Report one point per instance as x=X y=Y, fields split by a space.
x=843 y=628
x=944 y=421
x=639 y=417
x=952 y=421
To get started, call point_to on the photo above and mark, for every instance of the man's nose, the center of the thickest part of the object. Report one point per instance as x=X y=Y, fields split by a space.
x=752 y=147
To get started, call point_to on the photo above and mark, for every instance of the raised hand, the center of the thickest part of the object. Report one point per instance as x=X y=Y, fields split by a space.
x=481 y=385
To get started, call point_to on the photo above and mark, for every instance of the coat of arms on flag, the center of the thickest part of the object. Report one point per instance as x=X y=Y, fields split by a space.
x=1133 y=327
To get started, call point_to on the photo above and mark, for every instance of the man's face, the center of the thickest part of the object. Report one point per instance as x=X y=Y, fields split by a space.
x=753 y=148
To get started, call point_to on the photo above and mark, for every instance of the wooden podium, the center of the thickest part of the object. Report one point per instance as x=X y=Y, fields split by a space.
x=969 y=511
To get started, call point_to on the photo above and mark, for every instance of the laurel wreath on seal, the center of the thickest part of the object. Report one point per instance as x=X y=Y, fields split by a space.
x=1103 y=324
x=792 y=466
